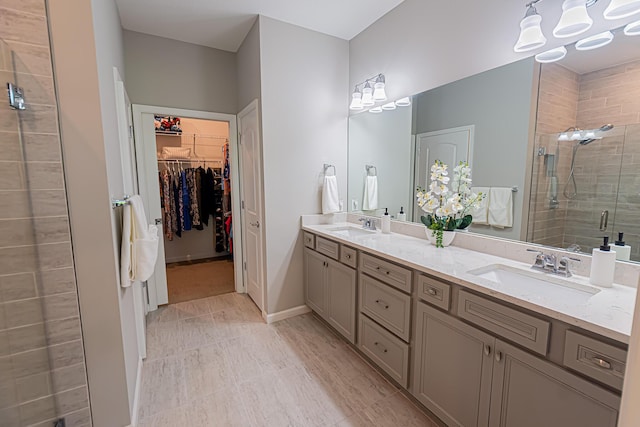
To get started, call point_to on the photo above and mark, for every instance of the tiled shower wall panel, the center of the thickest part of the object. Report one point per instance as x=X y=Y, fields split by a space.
x=42 y=366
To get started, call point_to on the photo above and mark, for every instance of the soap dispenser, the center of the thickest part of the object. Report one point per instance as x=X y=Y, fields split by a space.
x=623 y=252
x=603 y=265
x=386 y=222
x=401 y=215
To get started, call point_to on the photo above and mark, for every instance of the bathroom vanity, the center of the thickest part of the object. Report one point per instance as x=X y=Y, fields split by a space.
x=479 y=340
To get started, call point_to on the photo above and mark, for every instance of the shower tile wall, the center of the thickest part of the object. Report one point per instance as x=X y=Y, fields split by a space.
x=557 y=110
x=42 y=366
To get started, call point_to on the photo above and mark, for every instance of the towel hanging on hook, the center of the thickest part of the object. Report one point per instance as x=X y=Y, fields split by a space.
x=328 y=166
x=369 y=168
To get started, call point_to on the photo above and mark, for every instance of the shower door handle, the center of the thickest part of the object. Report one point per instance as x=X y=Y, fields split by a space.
x=604 y=220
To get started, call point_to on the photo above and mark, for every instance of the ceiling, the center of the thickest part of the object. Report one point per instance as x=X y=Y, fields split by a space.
x=621 y=50
x=223 y=24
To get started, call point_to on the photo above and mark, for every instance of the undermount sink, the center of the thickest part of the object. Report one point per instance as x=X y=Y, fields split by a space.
x=351 y=231
x=527 y=282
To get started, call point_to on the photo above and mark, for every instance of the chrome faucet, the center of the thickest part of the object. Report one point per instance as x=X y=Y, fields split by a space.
x=368 y=223
x=548 y=263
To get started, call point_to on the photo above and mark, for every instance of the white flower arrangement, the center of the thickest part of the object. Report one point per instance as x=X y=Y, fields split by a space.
x=448 y=209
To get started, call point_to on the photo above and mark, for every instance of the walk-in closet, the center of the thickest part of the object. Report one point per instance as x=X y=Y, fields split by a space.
x=195 y=195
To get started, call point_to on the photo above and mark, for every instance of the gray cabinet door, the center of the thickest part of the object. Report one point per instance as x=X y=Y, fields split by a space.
x=452 y=368
x=314 y=281
x=341 y=306
x=530 y=392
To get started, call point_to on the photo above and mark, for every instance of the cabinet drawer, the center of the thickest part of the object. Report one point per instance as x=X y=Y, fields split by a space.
x=386 y=272
x=384 y=349
x=434 y=292
x=385 y=305
x=327 y=247
x=348 y=256
x=521 y=328
x=309 y=240
x=598 y=360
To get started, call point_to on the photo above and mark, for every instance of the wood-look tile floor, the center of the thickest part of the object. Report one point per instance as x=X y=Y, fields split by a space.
x=214 y=362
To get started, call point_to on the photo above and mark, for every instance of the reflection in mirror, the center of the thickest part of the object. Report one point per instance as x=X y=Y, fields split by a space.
x=507 y=123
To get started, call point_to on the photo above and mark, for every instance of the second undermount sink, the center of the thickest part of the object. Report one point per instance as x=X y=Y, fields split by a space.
x=527 y=282
x=349 y=231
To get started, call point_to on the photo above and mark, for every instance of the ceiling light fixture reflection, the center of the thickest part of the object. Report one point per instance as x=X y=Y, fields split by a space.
x=389 y=106
x=574 y=20
x=621 y=9
x=377 y=109
x=552 y=55
x=403 y=102
x=356 y=100
x=595 y=41
x=632 y=29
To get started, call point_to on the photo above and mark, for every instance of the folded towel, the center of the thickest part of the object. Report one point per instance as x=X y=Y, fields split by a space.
x=370 y=198
x=501 y=207
x=330 y=196
x=139 y=250
x=480 y=215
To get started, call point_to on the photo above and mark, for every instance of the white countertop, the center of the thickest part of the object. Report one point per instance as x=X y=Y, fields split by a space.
x=608 y=313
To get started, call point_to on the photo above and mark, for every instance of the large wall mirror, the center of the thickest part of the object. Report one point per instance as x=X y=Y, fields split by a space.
x=537 y=131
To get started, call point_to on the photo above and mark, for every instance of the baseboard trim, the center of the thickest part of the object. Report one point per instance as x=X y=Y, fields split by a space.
x=285 y=314
x=136 y=395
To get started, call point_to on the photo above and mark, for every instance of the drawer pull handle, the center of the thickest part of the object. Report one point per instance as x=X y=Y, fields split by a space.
x=601 y=363
x=382 y=303
x=348 y=256
x=498 y=356
x=384 y=350
x=487 y=350
x=432 y=291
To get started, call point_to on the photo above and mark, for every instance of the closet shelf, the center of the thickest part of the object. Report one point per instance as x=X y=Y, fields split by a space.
x=168 y=133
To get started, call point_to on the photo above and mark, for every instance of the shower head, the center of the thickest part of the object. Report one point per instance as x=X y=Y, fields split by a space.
x=603 y=128
x=586 y=141
x=606 y=127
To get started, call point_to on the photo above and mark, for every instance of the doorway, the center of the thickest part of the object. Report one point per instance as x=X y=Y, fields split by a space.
x=187 y=169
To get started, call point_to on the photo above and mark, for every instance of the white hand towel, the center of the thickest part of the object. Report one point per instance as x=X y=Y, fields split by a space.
x=139 y=250
x=501 y=207
x=480 y=215
x=330 y=196
x=370 y=197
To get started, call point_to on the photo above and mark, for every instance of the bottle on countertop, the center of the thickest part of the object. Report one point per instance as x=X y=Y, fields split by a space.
x=401 y=215
x=623 y=251
x=386 y=222
x=603 y=265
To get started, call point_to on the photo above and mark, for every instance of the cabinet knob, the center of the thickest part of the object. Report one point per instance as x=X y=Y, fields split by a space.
x=498 y=356
x=377 y=344
x=348 y=256
x=382 y=303
x=388 y=272
x=432 y=291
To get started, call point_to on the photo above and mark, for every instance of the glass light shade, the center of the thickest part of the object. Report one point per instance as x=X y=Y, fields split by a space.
x=552 y=55
x=378 y=92
x=531 y=36
x=367 y=96
x=356 y=101
x=621 y=9
x=389 y=106
x=563 y=137
x=595 y=41
x=377 y=109
x=633 y=29
x=574 y=20
x=403 y=102
x=576 y=135
x=590 y=134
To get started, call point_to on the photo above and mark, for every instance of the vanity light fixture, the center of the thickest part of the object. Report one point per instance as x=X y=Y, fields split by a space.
x=367 y=95
x=595 y=41
x=574 y=20
x=389 y=106
x=356 y=100
x=372 y=91
x=632 y=29
x=531 y=36
x=377 y=109
x=563 y=137
x=552 y=55
x=403 y=102
x=576 y=135
x=378 y=89
x=621 y=9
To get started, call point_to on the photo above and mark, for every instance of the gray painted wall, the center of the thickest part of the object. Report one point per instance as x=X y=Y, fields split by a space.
x=498 y=103
x=248 y=67
x=170 y=73
x=298 y=137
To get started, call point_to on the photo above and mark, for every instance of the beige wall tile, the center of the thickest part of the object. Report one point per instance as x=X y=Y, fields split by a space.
x=52 y=230
x=17 y=260
x=38 y=410
x=16 y=232
x=23 y=27
x=33 y=387
x=57 y=281
x=5 y=348
x=15 y=204
x=3 y=322
x=9 y=122
x=29 y=58
x=55 y=255
x=8 y=393
x=41 y=147
x=69 y=378
x=30 y=363
x=27 y=338
x=24 y=312
x=17 y=286
x=11 y=149
x=60 y=306
x=12 y=176
x=67 y=354
x=72 y=400
x=11 y=416
x=37 y=89
x=80 y=418
x=48 y=202
x=39 y=119
x=35 y=7
x=44 y=176
x=64 y=330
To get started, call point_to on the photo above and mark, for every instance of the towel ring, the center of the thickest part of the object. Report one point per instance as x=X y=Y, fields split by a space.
x=369 y=167
x=327 y=166
x=116 y=203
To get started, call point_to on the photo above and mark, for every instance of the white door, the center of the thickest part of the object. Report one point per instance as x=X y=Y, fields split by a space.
x=130 y=186
x=251 y=196
x=450 y=146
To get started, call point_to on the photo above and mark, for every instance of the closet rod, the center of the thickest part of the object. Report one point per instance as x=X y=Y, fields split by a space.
x=189 y=160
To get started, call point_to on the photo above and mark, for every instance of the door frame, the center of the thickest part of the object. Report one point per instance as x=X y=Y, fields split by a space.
x=263 y=268
x=144 y=144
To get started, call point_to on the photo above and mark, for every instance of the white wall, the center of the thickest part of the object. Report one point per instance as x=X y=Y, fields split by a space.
x=304 y=122
x=170 y=73
x=93 y=174
x=384 y=141
x=498 y=103
x=248 y=67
